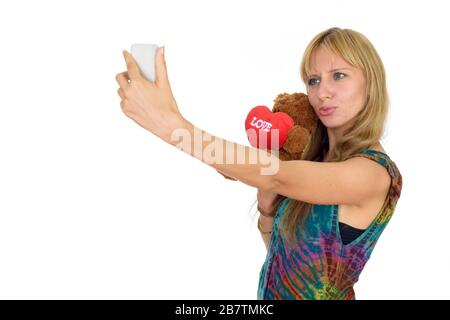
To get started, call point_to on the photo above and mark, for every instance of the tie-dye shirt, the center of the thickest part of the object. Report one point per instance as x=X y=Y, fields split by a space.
x=322 y=267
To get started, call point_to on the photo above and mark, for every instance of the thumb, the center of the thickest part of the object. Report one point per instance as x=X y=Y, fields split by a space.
x=162 y=79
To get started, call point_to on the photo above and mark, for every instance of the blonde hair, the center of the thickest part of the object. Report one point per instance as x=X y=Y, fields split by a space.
x=368 y=128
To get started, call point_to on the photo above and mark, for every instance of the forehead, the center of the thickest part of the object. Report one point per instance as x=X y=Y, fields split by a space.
x=323 y=60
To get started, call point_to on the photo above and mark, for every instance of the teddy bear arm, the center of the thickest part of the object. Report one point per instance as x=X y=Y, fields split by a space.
x=297 y=139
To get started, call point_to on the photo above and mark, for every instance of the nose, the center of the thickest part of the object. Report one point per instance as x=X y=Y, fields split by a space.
x=325 y=90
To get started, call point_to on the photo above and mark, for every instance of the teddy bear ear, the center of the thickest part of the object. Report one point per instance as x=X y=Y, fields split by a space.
x=280 y=100
x=297 y=140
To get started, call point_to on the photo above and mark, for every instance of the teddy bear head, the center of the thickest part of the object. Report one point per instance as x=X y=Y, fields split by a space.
x=297 y=106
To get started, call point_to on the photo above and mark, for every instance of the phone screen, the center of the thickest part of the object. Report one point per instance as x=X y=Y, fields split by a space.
x=144 y=54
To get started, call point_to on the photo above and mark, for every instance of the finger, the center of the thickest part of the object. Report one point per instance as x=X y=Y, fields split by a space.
x=122 y=79
x=121 y=93
x=124 y=106
x=162 y=79
x=132 y=67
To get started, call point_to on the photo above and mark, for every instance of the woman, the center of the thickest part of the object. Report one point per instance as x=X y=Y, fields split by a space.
x=320 y=216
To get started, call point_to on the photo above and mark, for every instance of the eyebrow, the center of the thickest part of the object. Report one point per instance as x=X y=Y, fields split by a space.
x=331 y=71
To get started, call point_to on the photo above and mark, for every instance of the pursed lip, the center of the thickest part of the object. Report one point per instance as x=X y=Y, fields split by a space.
x=327 y=107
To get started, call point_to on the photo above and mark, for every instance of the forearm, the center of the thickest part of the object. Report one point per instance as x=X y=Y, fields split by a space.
x=249 y=165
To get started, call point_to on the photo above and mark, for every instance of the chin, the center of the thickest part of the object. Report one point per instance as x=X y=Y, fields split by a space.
x=330 y=124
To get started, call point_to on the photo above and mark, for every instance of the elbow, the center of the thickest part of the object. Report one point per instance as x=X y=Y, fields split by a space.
x=274 y=188
x=269 y=187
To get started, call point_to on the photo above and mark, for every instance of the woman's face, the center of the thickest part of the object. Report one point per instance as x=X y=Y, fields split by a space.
x=335 y=84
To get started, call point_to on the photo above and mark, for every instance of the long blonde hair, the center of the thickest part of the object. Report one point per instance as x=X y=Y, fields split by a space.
x=368 y=128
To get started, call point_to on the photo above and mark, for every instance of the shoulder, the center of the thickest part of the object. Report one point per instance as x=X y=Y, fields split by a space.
x=376 y=176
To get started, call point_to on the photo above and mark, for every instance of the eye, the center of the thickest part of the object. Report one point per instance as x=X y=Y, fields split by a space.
x=339 y=75
x=311 y=81
x=336 y=76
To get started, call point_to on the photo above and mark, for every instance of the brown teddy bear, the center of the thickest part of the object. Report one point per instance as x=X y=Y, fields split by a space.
x=297 y=106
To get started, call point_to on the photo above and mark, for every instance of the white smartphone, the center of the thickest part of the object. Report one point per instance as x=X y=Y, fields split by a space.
x=144 y=54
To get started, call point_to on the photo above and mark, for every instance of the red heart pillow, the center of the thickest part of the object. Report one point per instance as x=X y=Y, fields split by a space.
x=260 y=125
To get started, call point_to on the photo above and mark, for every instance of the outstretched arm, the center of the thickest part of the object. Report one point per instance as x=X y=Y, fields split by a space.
x=153 y=106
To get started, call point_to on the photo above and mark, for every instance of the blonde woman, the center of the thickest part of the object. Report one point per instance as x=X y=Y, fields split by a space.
x=320 y=217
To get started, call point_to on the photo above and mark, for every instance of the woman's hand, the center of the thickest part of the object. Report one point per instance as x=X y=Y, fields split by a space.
x=150 y=104
x=265 y=200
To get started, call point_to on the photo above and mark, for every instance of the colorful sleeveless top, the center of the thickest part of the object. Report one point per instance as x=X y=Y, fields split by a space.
x=322 y=267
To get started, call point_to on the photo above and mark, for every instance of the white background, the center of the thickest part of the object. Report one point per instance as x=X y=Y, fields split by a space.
x=92 y=206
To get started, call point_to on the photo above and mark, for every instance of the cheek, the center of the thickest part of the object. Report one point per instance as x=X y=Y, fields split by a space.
x=360 y=98
x=360 y=90
x=354 y=95
x=312 y=97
